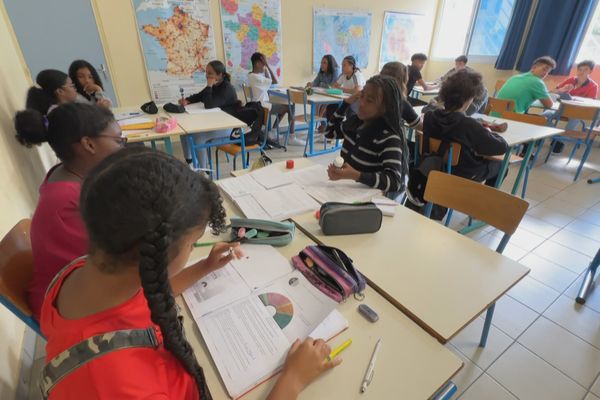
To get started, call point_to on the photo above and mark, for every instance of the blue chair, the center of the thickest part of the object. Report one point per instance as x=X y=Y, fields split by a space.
x=496 y=208
x=580 y=138
x=446 y=392
x=16 y=268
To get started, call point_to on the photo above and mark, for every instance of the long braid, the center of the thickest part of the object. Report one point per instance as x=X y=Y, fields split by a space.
x=393 y=99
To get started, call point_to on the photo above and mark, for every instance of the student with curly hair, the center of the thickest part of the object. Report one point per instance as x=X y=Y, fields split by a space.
x=451 y=124
x=139 y=246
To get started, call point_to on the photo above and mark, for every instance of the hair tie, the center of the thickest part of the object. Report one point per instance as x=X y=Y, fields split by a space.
x=45 y=118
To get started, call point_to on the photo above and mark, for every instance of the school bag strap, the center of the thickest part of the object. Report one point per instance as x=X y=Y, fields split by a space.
x=94 y=347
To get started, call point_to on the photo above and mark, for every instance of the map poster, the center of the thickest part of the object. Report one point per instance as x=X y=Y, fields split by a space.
x=401 y=37
x=341 y=33
x=251 y=26
x=177 y=41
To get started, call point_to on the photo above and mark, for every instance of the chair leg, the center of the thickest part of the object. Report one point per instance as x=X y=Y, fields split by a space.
x=552 y=144
x=234 y=162
x=486 y=325
x=448 y=217
x=573 y=151
x=586 y=154
x=217 y=161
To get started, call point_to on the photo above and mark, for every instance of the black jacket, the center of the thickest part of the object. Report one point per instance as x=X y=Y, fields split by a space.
x=222 y=95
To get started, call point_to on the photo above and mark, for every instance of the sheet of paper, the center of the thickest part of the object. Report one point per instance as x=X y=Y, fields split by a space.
x=135 y=120
x=339 y=193
x=387 y=206
x=333 y=324
x=251 y=208
x=271 y=177
x=286 y=201
x=198 y=108
x=309 y=176
x=240 y=186
x=127 y=115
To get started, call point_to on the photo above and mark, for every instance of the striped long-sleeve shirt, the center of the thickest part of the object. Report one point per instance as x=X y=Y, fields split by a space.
x=374 y=151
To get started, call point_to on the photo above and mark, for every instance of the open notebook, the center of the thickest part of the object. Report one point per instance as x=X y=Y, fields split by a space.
x=251 y=311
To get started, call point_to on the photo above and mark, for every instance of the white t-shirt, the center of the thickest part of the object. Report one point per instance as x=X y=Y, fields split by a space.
x=259 y=85
x=357 y=79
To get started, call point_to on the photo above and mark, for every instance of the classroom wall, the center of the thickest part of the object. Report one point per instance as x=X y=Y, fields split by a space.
x=116 y=23
x=21 y=170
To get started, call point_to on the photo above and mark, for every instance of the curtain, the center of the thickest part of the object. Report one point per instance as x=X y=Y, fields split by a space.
x=514 y=35
x=557 y=30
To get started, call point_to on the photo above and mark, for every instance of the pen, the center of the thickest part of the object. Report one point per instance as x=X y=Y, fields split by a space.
x=335 y=352
x=371 y=368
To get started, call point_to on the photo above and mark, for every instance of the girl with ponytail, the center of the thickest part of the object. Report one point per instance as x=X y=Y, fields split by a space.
x=138 y=248
x=219 y=92
x=53 y=88
x=81 y=135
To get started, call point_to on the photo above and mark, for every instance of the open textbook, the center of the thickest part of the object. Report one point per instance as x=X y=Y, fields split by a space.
x=251 y=311
x=269 y=193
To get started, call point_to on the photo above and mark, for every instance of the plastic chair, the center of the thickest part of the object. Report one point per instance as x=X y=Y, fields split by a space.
x=499 y=106
x=235 y=150
x=16 y=267
x=584 y=137
x=498 y=86
x=300 y=97
x=247 y=90
x=496 y=208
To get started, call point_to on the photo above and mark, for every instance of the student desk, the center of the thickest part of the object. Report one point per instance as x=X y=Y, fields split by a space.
x=410 y=365
x=577 y=101
x=418 y=91
x=148 y=135
x=314 y=100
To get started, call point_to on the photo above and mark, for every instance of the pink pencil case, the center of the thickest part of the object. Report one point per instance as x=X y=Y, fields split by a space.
x=165 y=124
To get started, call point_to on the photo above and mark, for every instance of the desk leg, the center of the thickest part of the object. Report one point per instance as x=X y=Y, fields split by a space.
x=168 y=146
x=311 y=132
x=153 y=144
x=524 y=165
x=588 y=279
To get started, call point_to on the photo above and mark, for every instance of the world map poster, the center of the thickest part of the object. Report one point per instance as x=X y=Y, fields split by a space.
x=177 y=41
x=251 y=26
x=401 y=37
x=341 y=33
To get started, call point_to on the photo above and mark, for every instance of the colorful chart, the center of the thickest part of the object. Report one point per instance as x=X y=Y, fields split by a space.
x=401 y=37
x=284 y=309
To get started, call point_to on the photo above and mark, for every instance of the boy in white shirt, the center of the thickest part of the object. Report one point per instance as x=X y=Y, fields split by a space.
x=350 y=81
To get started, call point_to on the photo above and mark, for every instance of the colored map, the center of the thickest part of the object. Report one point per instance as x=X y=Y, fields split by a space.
x=251 y=26
x=341 y=33
x=400 y=37
x=177 y=41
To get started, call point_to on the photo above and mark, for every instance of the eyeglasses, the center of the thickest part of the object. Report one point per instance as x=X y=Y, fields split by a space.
x=120 y=140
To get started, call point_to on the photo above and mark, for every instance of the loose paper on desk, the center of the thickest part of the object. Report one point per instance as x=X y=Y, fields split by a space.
x=240 y=186
x=271 y=177
x=198 y=108
x=134 y=121
x=285 y=201
x=250 y=312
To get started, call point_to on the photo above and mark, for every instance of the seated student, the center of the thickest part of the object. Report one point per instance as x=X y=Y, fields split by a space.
x=328 y=73
x=134 y=268
x=526 y=88
x=350 y=81
x=54 y=88
x=219 y=92
x=399 y=72
x=581 y=84
x=374 y=149
x=460 y=62
x=417 y=62
x=81 y=135
x=451 y=124
x=88 y=84
x=260 y=80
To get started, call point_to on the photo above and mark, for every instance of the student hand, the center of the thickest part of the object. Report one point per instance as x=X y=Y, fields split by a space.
x=210 y=82
x=565 y=89
x=220 y=255
x=346 y=172
x=305 y=362
x=183 y=102
x=104 y=103
x=336 y=85
x=92 y=88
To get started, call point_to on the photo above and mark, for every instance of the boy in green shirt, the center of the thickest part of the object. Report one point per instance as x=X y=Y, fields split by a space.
x=525 y=88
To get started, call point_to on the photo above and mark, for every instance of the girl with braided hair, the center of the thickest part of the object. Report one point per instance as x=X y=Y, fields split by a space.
x=143 y=211
x=374 y=149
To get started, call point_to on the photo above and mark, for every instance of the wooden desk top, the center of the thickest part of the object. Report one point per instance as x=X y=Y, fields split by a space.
x=144 y=135
x=521 y=132
x=208 y=121
x=577 y=101
x=441 y=279
x=315 y=98
x=411 y=363
x=430 y=92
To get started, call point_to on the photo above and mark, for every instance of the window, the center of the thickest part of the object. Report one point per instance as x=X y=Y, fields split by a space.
x=473 y=27
x=590 y=48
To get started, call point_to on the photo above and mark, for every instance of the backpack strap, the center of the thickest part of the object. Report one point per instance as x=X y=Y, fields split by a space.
x=89 y=349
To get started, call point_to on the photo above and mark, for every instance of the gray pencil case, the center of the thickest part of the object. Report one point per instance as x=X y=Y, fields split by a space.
x=349 y=219
x=268 y=232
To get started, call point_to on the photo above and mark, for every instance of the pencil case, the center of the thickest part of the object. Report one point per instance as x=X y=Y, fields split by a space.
x=267 y=232
x=349 y=219
x=165 y=124
x=335 y=91
x=331 y=271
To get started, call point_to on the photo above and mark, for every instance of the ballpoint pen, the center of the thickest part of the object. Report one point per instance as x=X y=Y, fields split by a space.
x=371 y=368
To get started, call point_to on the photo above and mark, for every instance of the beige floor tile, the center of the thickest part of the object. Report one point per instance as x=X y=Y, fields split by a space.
x=590 y=396
x=584 y=228
x=596 y=387
x=486 y=388
x=591 y=216
x=574 y=357
x=564 y=206
x=513 y=252
x=577 y=319
x=576 y=242
x=467 y=374
x=533 y=294
x=529 y=377
x=550 y=274
x=512 y=317
x=467 y=342
x=524 y=239
x=597 y=206
x=580 y=199
x=537 y=226
x=550 y=215
x=564 y=256
x=593 y=299
x=490 y=240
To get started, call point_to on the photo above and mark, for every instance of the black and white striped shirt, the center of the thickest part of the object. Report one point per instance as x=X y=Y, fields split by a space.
x=374 y=151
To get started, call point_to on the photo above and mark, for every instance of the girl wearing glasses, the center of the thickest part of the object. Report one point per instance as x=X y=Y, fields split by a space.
x=81 y=136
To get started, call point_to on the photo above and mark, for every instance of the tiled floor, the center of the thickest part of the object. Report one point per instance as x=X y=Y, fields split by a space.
x=542 y=346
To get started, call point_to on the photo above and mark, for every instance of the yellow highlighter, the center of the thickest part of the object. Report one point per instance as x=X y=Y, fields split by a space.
x=334 y=353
